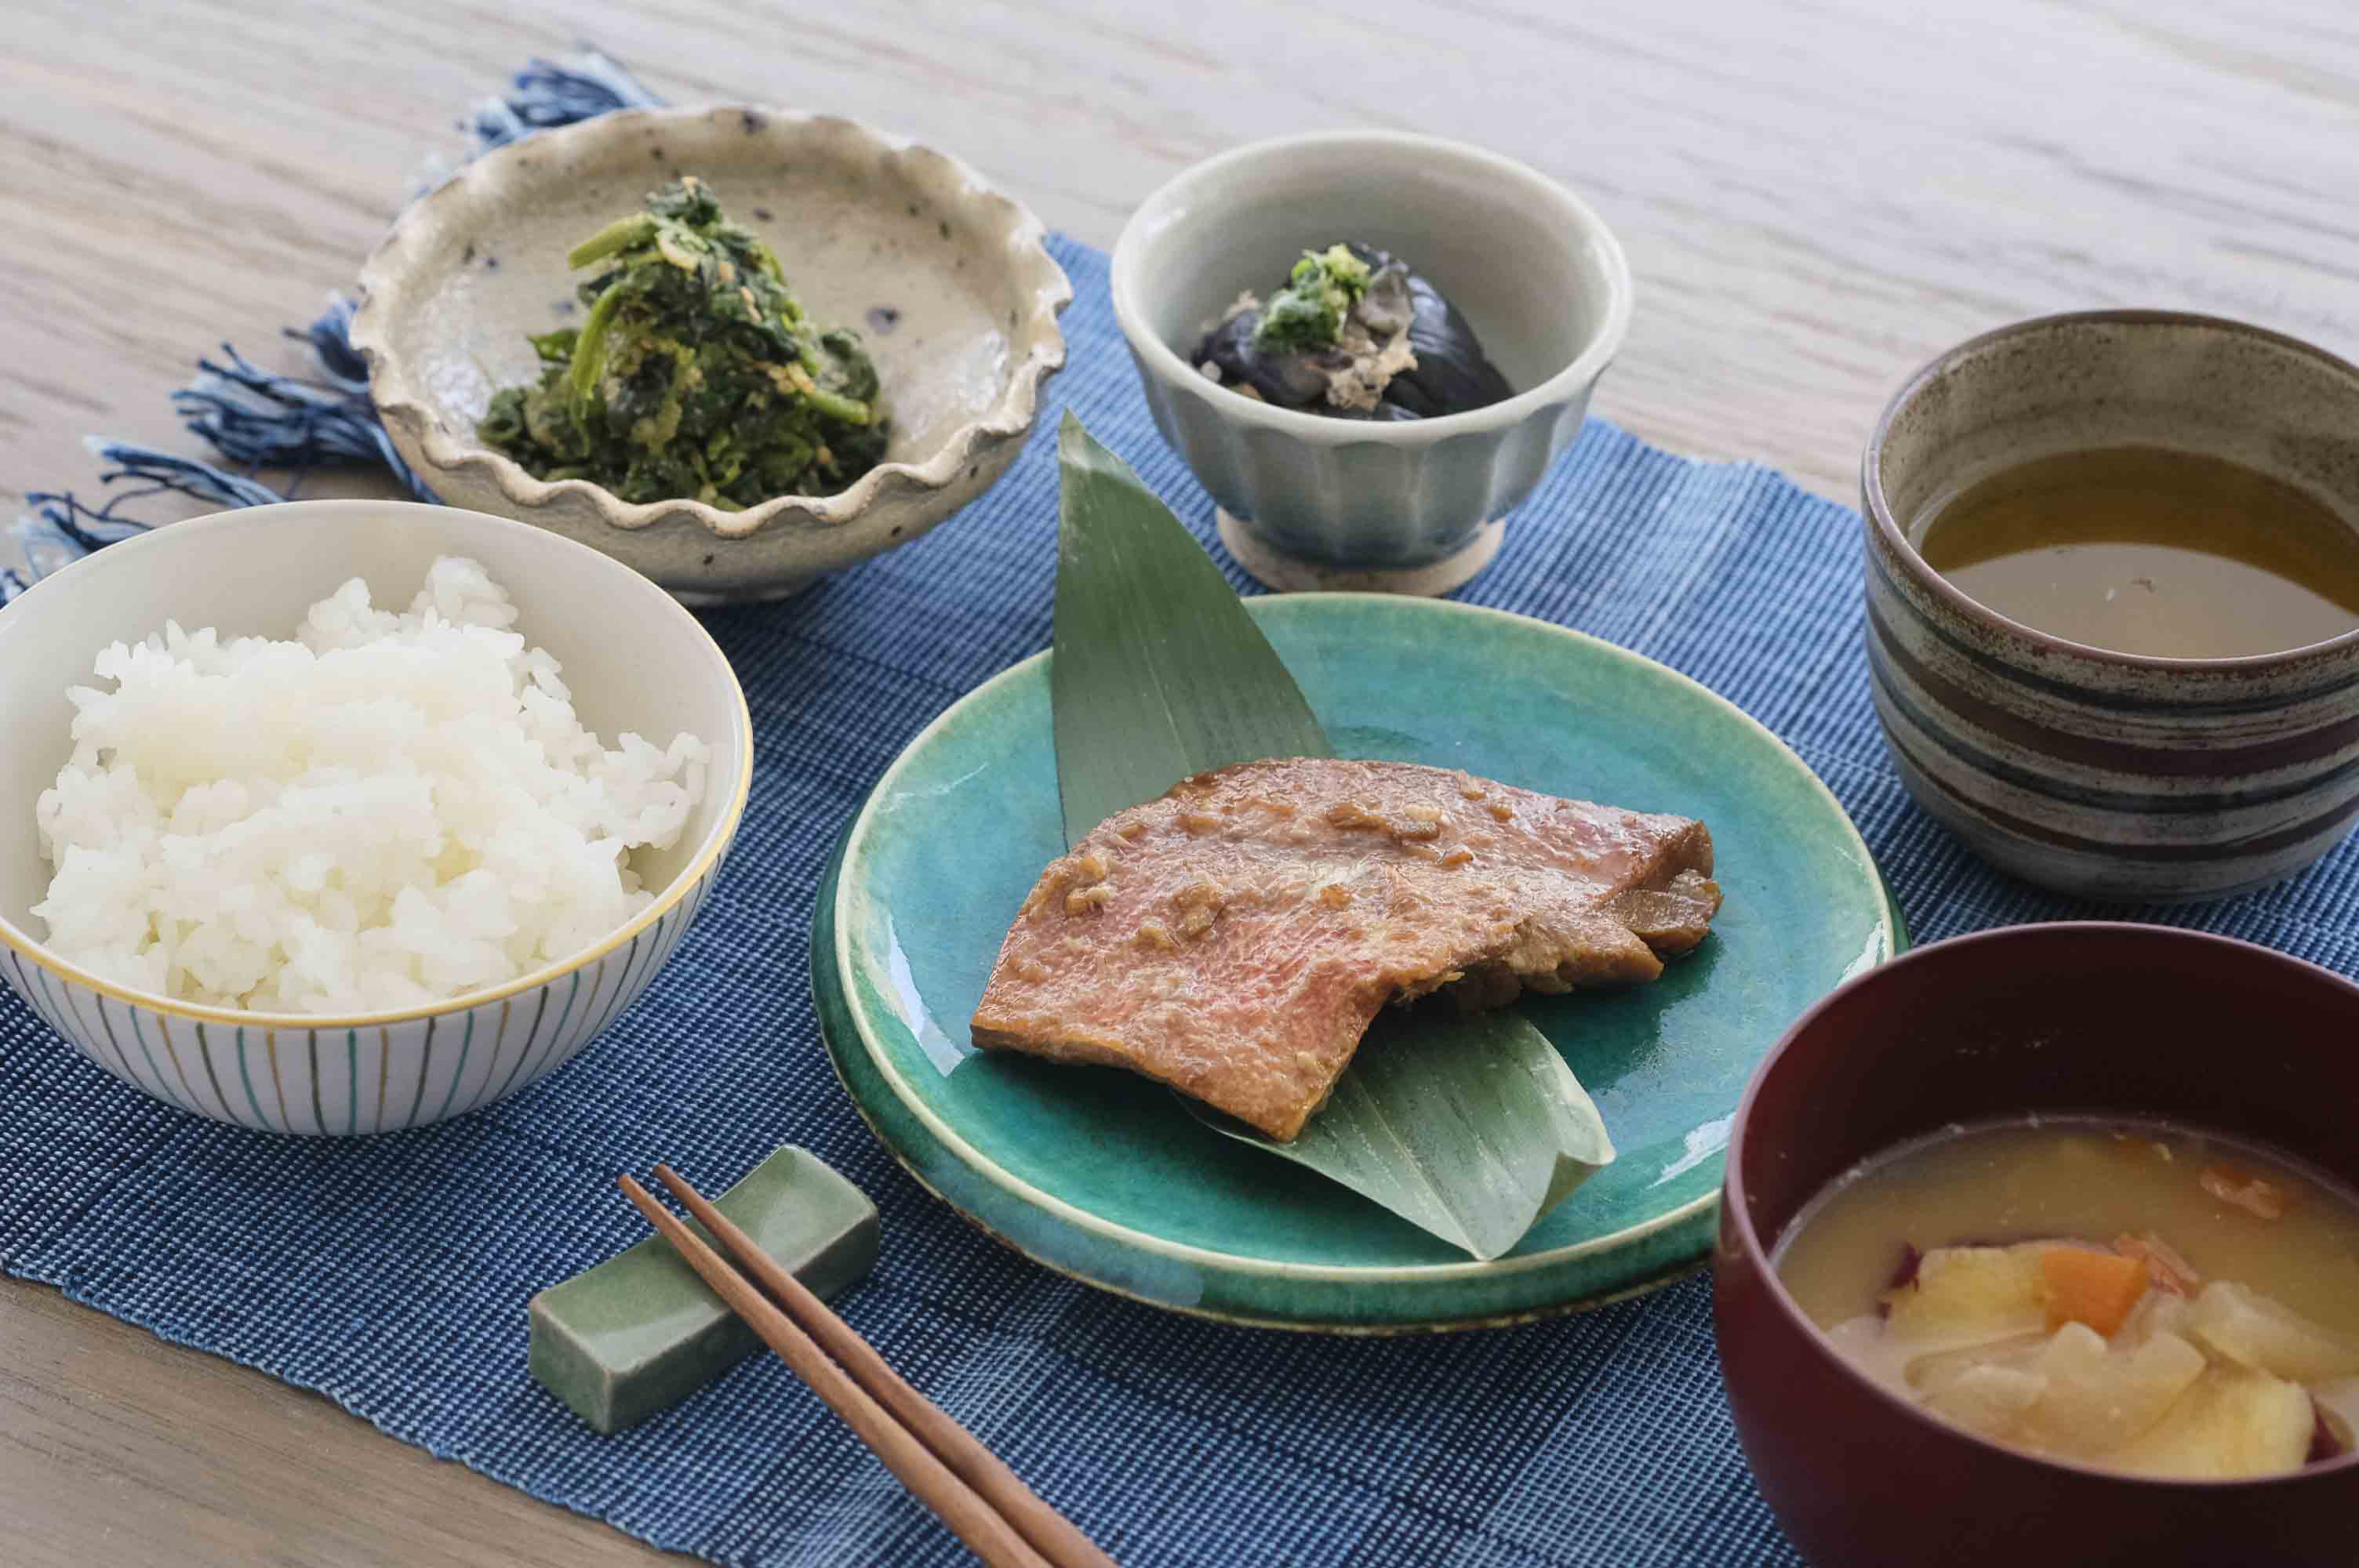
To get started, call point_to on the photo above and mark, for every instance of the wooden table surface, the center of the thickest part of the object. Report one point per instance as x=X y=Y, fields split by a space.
x=1815 y=195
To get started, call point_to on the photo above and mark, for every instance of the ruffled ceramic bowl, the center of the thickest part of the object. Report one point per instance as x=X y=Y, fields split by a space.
x=950 y=282
x=253 y=571
x=1312 y=501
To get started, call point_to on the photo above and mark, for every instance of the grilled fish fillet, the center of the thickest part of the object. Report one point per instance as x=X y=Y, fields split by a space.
x=1236 y=938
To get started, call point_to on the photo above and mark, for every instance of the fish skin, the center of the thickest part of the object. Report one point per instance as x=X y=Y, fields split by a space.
x=1235 y=937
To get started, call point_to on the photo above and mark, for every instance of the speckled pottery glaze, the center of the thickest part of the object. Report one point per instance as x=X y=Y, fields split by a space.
x=1106 y=1176
x=1417 y=507
x=949 y=282
x=255 y=572
x=2100 y=774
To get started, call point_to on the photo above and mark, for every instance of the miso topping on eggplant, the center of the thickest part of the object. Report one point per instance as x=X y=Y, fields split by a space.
x=1354 y=334
x=694 y=374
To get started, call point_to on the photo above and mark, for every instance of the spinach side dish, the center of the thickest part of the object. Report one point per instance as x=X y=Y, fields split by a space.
x=694 y=374
x=1352 y=334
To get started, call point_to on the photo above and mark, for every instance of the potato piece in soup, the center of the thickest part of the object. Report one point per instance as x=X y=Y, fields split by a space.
x=2141 y=1297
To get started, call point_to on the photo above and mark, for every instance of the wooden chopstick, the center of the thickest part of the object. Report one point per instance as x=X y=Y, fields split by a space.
x=1007 y=1526
x=1050 y=1533
x=972 y=1520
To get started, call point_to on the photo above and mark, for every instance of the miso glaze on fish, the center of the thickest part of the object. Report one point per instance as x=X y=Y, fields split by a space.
x=1236 y=938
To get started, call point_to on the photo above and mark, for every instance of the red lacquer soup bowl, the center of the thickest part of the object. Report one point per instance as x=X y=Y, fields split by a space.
x=2134 y=1021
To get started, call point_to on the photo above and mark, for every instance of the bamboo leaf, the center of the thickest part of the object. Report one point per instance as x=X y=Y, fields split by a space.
x=1469 y=1128
x=1159 y=672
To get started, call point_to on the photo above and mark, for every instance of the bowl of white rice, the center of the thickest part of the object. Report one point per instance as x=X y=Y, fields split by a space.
x=343 y=816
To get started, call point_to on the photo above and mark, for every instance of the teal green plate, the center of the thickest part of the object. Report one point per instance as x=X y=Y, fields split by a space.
x=1106 y=1176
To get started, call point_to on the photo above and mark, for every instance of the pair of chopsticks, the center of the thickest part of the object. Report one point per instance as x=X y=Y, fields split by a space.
x=972 y=1491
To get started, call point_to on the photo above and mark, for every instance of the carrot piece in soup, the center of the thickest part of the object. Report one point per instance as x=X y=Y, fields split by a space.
x=2092 y=1287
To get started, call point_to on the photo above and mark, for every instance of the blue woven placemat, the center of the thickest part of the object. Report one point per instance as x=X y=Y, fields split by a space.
x=391 y=1274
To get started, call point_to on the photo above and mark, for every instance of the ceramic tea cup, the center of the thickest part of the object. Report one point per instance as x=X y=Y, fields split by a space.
x=2104 y=774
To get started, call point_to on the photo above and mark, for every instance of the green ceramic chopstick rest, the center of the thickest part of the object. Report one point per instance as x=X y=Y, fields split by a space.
x=638 y=1333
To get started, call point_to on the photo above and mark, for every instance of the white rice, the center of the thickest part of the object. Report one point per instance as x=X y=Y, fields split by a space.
x=390 y=810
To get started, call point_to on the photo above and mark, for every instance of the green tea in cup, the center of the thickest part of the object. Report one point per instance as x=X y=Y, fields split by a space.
x=2150 y=551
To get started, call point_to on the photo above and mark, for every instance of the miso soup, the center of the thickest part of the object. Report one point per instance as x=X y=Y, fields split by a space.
x=2144 y=550
x=2140 y=1297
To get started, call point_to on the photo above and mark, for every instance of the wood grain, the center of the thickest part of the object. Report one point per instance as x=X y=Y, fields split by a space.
x=1815 y=195
x=119 y=1449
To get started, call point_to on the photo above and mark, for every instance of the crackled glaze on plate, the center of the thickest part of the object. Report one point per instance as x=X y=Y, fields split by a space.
x=1104 y=1175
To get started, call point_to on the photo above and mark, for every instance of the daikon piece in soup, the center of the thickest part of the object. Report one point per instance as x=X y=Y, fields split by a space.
x=2135 y=1296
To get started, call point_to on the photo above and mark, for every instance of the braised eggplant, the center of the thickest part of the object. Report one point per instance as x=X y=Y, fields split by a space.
x=1354 y=333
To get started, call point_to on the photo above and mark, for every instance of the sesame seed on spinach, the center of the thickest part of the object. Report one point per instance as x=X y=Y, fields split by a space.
x=694 y=373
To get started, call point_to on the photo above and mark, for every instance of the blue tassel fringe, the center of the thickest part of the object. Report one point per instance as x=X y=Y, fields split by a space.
x=549 y=93
x=255 y=420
